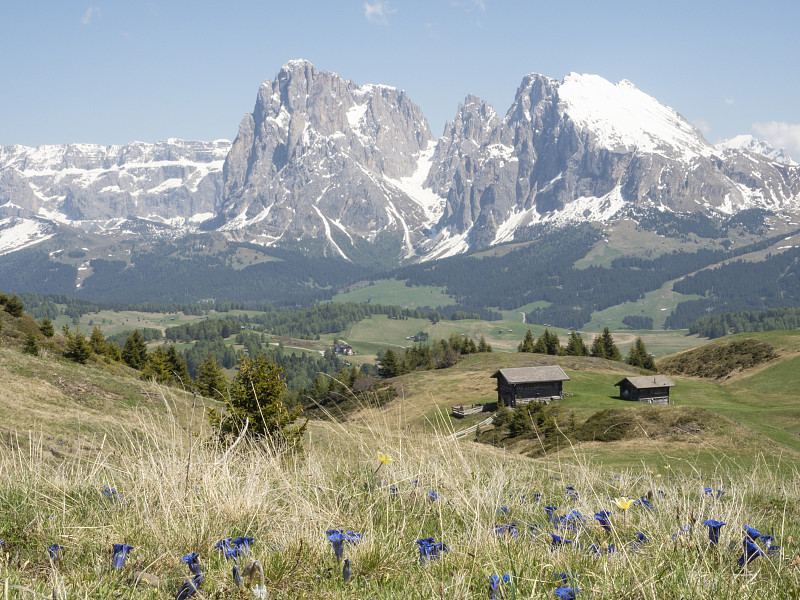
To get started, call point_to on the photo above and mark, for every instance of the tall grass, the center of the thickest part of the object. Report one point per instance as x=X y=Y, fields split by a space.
x=181 y=492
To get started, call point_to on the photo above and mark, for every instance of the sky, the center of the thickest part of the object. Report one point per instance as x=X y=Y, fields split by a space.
x=111 y=72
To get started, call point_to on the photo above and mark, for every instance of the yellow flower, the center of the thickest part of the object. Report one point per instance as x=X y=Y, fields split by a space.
x=385 y=458
x=666 y=467
x=624 y=503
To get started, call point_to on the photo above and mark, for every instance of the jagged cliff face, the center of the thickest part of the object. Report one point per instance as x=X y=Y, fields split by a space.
x=322 y=158
x=326 y=165
x=585 y=149
x=176 y=182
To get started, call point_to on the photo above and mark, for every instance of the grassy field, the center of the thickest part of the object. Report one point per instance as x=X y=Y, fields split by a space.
x=397 y=293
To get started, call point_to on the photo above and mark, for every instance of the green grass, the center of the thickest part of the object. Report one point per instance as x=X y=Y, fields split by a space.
x=397 y=293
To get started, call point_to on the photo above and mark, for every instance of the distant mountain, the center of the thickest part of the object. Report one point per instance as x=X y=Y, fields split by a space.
x=584 y=149
x=332 y=168
x=756 y=146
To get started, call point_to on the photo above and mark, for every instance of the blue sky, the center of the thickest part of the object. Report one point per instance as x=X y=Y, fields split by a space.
x=112 y=72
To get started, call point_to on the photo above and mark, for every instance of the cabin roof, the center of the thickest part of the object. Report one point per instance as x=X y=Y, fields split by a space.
x=648 y=381
x=532 y=374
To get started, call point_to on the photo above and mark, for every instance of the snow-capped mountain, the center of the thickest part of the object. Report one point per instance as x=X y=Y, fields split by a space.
x=756 y=146
x=324 y=159
x=585 y=149
x=175 y=183
x=352 y=171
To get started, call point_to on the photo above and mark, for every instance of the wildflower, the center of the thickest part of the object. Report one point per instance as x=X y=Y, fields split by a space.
x=537 y=497
x=394 y=491
x=111 y=493
x=713 y=530
x=753 y=534
x=641 y=540
x=429 y=549
x=510 y=529
x=337 y=539
x=432 y=496
x=771 y=548
x=237 y=578
x=352 y=537
x=550 y=510
x=596 y=550
x=751 y=552
x=190 y=588
x=193 y=562
x=558 y=542
x=602 y=518
x=120 y=554
x=243 y=544
x=494 y=583
x=564 y=577
x=503 y=510
x=644 y=502
x=566 y=593
x=53 y=550
x=623 y=502
x=385 y=458
x=224 y=544
x=347 y=571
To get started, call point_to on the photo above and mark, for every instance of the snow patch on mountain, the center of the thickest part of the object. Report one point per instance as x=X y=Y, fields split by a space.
x=414 y=186
x=756 y=146
x=624 y=117
x=16 y=234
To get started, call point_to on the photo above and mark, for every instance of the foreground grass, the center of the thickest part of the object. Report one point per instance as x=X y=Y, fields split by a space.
x=181 y=493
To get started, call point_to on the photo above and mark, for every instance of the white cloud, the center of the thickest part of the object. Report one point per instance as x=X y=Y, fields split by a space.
x=780 y=134
x=729 y=100
x=702 y=125
x=378 y=12
x=90 y=13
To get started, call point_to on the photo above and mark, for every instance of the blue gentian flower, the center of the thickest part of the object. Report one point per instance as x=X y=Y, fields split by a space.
x=753 y=534
x=120 y=554
x=429 y=549
x=192 y=562
x=111 y=493
x=713 y=530
x=602 y=518
x=503 y=510
x=566 y=593
x=394 y=491
x=708 y=491
x=751 y=552
x=337 y=539
x=53 y=550
x=612 y=548
x=559 y=542
x=237 y=578
x=190 y=588
x=720 y=494
x=432 y=496
x=537 y=497
x=352 y=537
x=644 y=502
x=243 y=545
x=550 y=510
x=494 y=583
x=596 y=550
x=510 y=529
x=771 y=548
x=641 y=540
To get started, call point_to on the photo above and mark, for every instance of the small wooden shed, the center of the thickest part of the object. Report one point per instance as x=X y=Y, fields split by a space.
x=653 y=389
x=529 y=384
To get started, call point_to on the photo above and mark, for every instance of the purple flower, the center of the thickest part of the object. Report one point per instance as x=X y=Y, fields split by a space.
x=537 y=497
x=559 y=542
x=753 y=534
x=510 y=529
x=550 y=510
x=602 y=518
x=713 y=530
x=243 y=544
x=337 y=539
x=503 y=510
x=432 y=496
x=566 y=593
x=120 y=554
x=429 y=549
x=394 y=491
x=751 y=552
x=192 y=562
x=53 y=550
x=190 y=588
x=494 y=584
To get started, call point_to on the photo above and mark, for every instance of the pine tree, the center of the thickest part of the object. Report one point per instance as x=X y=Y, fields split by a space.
x=598 y=349
x=97 y=341
x=47 y=328
x=576 y=346
x=31 y=346
x=178 y=368
x=211 y=380
x=134 y=354
x=603 y=346
x=14 y=306
x=257 y=399
x=78 y=348
x=527 y=344
x=157 y=367
x=388 y=365
x=483 y=346
x=640 y=357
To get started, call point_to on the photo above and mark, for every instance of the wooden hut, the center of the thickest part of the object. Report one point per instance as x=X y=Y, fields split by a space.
x=529 y=384
x=653 y=389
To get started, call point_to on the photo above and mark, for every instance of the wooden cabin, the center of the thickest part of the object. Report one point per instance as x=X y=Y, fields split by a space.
x=653 y=389
x=529 y=384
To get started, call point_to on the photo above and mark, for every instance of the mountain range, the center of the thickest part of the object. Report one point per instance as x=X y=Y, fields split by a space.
x=331 y=168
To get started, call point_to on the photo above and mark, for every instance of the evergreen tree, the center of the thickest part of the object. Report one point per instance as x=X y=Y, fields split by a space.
x=598 y=349
x=211 y=380
x=257 y=399
x=552 y=345
x=527 y=344
x=78 y=348
x=157 y=367
x=576 y=346
x=640 y=357
x=47 y=328
x=388 y=365
x=14 y=306
x=603 y=346
x=178 y=368
x=134 y=354
x=483 y=346
x=31 y=346
x=97 y=341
